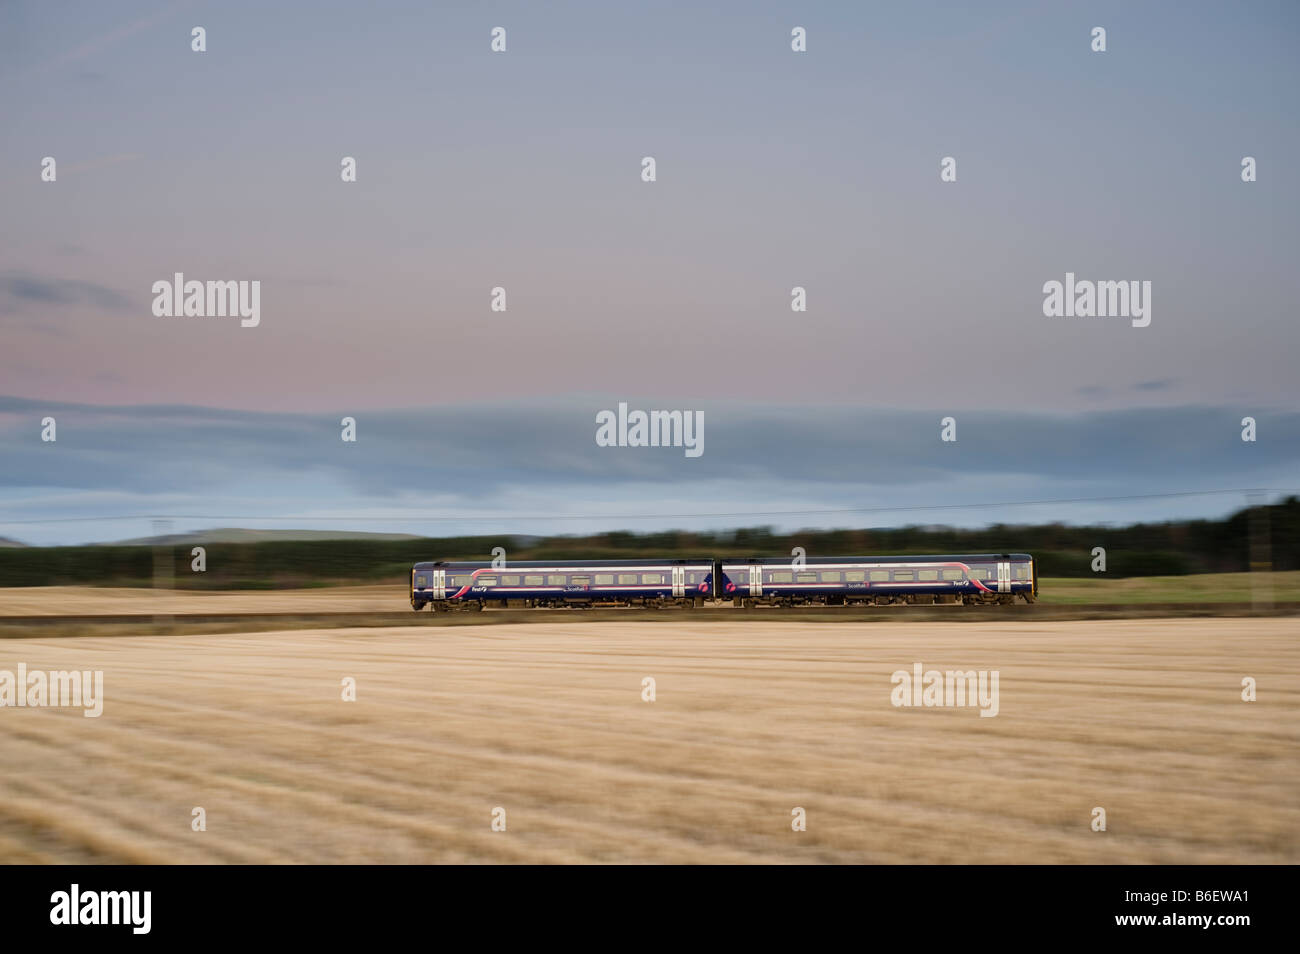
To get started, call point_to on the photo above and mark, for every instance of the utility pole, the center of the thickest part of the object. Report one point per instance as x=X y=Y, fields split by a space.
x=1261 y=552
x=164 y=572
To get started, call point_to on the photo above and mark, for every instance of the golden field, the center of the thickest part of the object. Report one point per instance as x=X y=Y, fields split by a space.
x=751 y=719
x=134 y=600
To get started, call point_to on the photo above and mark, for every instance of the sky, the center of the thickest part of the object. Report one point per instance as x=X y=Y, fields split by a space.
x=522 y=170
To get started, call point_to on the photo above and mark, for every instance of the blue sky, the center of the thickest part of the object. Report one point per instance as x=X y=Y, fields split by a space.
x=521 y=170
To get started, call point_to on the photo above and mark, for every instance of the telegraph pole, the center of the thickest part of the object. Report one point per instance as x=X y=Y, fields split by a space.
x=164 y=572
x=1261 y=552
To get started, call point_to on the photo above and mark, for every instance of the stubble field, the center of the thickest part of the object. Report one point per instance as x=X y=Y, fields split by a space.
x=751 y=719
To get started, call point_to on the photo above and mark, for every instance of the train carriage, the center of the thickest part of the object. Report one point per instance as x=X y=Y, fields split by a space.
x=562 y=583
x=979 y=578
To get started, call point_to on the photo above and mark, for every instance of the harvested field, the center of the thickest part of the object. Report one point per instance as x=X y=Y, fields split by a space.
x=126 y=600
x=1141 y=717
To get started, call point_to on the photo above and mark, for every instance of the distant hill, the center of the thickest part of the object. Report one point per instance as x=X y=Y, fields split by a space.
x=6 y=542
x=240 y=535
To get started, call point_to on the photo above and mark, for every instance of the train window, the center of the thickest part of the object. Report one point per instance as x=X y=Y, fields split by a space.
x=604 y=579
x=533 y=580
x=487 y=581
x=978 y=573
x=422 y=580
x=1022 y=571
x=830 y=576
x=625 y=578
x=652 y=577
x=581 y=581
x=927 y=574
x=854 y=576
x=460 y=579
x=879 y=576
x=556 y=579
x=954 y=575
x=782 y=577
x=509 y=581
x=807 y=577
x=904 y=576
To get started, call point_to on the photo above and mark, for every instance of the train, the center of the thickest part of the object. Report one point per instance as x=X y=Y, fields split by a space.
x=831 y=581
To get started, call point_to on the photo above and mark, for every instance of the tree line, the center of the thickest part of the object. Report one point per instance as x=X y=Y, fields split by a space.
x=1144 y=549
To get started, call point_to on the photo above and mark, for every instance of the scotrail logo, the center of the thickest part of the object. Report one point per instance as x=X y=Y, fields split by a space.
x=651 y=429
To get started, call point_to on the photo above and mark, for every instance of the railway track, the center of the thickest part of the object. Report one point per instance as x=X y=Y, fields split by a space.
x=35 y=624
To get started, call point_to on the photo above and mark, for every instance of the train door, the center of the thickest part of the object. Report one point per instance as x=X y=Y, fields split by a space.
x=1004 y=576
x=439 y=584
x=679 y=581
x=755 y=579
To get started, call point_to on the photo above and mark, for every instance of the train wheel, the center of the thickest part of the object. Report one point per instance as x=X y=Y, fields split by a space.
x=416 y=606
